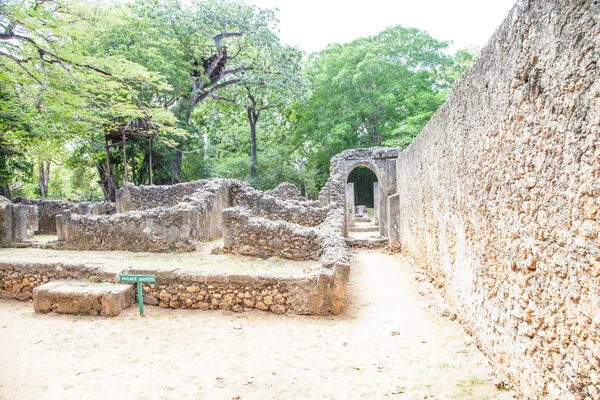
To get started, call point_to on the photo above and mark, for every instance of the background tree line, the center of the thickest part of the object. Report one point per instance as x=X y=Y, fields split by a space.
x=94 y=94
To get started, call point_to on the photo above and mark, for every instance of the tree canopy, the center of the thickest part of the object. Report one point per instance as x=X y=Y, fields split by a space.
x=94 y=94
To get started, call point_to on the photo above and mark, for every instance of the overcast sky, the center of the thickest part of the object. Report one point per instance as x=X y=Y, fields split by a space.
x=312 y=24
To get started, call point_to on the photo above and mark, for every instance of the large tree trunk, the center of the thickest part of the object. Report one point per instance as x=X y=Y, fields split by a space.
x=108 y=190
x=44 y=177
x=252 y=120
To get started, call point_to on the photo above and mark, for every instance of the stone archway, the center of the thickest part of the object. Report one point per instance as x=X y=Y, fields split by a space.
x=380 y=160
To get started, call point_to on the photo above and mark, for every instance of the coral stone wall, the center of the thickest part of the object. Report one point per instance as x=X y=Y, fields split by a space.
x=210 y=201
x=195 y=216
x=499 y=199
x=246 y=234
x=49 y=209
x=18 y=222
x=155 y=230
x=318 y=293
x=286 y=190
x=47 y=212
x=306 y=213
x=131 y=197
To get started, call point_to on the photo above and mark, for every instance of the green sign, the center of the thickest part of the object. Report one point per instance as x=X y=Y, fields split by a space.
x=139 y=279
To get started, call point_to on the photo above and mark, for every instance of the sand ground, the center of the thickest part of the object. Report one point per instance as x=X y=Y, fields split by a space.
x=387 y=344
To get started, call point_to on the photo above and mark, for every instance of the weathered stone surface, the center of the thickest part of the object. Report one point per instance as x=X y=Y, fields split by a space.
x=499 y=199
x=247 y=234
x=286 y=190
x=271 y=207
x=380 y=160
x=18 y=223
x=394 y=221
x=82 y=298
x=49 y=209
x=186 y=213
x=376 y=203
x=350 y=209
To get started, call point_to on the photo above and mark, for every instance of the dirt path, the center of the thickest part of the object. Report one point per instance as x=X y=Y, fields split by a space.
x=387 y=345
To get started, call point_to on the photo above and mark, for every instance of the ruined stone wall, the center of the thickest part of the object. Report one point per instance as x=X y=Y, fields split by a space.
x=286 y=190
x=47 y=212
x=499 y=199
x=306 y=213
x=314 y=293
x=195 y=216
x=247 y=234
x=18 y=222
x=131 y=197
x=210 y=201
x=156 y=230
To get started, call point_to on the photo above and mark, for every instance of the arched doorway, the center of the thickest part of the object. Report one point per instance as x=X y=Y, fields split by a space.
x=365 y=184
x=339 y=193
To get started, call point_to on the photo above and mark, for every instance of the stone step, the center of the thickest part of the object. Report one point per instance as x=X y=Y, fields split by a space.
x=82 y=298
x=364 y=229
x=370 y=242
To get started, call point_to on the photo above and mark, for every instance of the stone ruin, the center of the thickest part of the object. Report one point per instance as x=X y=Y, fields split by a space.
x=178 y=218
x=361 y=214
x=497 y=200
x=48 y=209
x=18 y=222
x=339 y=193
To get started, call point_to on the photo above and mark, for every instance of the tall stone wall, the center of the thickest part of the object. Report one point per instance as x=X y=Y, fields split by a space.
x=499 y=199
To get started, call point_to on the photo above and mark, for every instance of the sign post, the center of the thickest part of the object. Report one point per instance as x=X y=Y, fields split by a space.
x=139 y=279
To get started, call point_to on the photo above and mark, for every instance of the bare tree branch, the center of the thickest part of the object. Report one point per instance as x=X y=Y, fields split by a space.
x=214 y=89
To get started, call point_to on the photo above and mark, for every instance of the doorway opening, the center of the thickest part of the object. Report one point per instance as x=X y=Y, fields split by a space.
x=365 y=186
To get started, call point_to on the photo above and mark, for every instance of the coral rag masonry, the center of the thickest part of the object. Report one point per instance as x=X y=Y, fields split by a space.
x=499 y=199
x=178 y=218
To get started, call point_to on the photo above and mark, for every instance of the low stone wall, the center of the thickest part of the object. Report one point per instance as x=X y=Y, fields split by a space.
x=499 y=199
x=156 y=230
x=306 y=213
x=317 y=293
x=246 y=234
x=139 y=198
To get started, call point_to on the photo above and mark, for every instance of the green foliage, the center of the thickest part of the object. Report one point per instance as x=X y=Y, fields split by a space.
x=76 y=73
x=379 y=90
x=363 y=179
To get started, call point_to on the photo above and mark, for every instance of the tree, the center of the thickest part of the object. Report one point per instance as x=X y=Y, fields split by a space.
x=372 y=91
x=202 y=47
x=45 y=52
x=275 y=81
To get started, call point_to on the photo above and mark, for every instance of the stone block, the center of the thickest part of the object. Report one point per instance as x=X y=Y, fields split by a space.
x=394 y=222
x=82 y=298
x=376 y=203
x=350 y=205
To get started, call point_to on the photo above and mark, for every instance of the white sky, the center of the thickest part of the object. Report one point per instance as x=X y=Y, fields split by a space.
x=312 y=24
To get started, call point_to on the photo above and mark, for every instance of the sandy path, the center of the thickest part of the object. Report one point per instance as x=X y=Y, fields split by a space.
x=186 y=354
